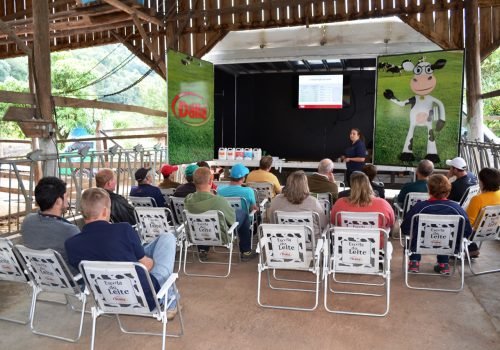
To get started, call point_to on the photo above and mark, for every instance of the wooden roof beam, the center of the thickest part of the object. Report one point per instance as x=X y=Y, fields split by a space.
x=131 y=11
x=4 y=27
x=159 y=61
x=427 y=32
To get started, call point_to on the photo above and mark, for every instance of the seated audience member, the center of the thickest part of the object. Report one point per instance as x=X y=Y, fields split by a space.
x=144 y=178
x=47 y=229
x=363 y=200
x=183 y=190
x=121 y=210
x=464 y=179
x=103 y=241
x=489 y=182
x=424 y=170
x=296 y=197
x=205 y=164
x=323 y=181
x=263 y=174
x=234 y=189
x=167 y=170
x=439 y=189
x=203 y=200
x=378 y=187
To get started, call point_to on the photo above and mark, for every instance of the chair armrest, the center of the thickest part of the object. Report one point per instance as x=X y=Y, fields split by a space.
x=77 y=277
x=319 y=247
x=252 y=213
x=263 y=203
x=389 y=251
x=179 y=229
x=166 y=286
x=233 y=227
x=398 y=208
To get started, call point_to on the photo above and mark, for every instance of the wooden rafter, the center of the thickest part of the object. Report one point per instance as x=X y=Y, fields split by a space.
x=431 y=35
x=215 y=38
x=132 y=11
x=136 y=50
x=159 y=61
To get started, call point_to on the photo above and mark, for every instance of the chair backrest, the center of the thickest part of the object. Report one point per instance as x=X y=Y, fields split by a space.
x=326 y=200
x=308 y=218
x=208 y=228
x=10 y=268
x=487 y=225
x=284 y=246
x=142 y=201
x=238 y=203
x=177 y=207
x=469 y=193
x=356 y=250
x=153 y=221
x=166 y=193
x=116 y=286
x=437 y=234
x=264 y=190
x=360 y=219
x=413 y=198
x=340 y=185
x=221 y=184
x=48 y=270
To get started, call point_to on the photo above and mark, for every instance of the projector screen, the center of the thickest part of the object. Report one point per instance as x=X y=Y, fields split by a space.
x=320 y=91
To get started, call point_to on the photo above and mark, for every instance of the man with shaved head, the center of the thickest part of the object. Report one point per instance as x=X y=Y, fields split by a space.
x=323 y=180
x=424 y=169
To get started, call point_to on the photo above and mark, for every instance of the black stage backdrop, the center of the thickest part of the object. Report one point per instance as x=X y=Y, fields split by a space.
x=267 y=115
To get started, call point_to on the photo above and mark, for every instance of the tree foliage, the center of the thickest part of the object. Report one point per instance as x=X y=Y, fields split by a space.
x=490 y=81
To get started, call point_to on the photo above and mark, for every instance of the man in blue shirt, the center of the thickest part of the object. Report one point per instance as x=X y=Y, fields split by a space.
x=464 y=178
x=145 y=189
x=424 y=170
x=103 y=241
x=235 y=188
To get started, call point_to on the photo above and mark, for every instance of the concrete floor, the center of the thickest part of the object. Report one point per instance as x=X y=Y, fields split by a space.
x=223 y=314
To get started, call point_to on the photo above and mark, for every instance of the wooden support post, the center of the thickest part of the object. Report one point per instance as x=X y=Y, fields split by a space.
x=41 y=69
x=473 y=72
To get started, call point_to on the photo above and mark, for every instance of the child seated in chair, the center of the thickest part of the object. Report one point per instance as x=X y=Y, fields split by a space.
x=439 y=189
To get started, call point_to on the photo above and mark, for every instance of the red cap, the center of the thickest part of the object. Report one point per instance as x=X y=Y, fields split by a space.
x=168 y=169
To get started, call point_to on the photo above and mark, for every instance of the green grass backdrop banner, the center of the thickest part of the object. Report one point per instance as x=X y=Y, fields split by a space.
x=190 y=108
x=392 y=121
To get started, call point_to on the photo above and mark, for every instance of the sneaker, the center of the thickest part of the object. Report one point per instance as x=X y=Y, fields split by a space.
x=203 y=254
x=247 y=256
x=171 y=313
x=474 y=254
x=442 y=268
x=414 y=266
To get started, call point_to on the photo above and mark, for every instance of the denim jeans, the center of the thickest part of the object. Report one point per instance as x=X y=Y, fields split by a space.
x=162 y=251
x=243 y=230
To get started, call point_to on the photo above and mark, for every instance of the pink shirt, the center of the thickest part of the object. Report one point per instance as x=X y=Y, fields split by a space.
x=378 y=205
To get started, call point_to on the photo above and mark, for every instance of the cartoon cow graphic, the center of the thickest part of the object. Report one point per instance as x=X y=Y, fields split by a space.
x=422 y=84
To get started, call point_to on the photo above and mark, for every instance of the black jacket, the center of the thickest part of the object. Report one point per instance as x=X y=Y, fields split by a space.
x=121 y=210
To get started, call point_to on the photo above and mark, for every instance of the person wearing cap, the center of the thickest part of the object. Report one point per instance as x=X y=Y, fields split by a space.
x=323 y=181
x=121 y=210
x=183 y=190
x=166 y=171
x=464 y=178
x=144 y=179
x=235 y=188
x=203 y=200
x=264 y=174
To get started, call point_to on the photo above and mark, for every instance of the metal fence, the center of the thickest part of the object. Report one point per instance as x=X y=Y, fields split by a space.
x=77 y=169
x=479 y=155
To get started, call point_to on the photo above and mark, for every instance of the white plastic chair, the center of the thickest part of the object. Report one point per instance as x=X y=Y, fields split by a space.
x=49 y=273
x=117 y=290
x=209 y=229
x=469 y=193
x=264 y=194
x=487 y=228
x=12 y=271
x=283 y=248
x=411 y=199
x=436 y=235
x=326 y=200
x=142 y=201
x=177 y=207
x=167 y=193
x=356 y=251
x=152 y=222
x=241 y=203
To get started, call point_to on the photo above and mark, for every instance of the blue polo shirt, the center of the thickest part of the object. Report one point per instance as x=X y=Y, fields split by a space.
x=146 y=190
x=102 y=241
x=238 y=191
x=358 y=149
x=459 y=186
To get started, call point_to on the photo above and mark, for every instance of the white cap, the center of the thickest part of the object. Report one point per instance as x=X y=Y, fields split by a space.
x=457 y=162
